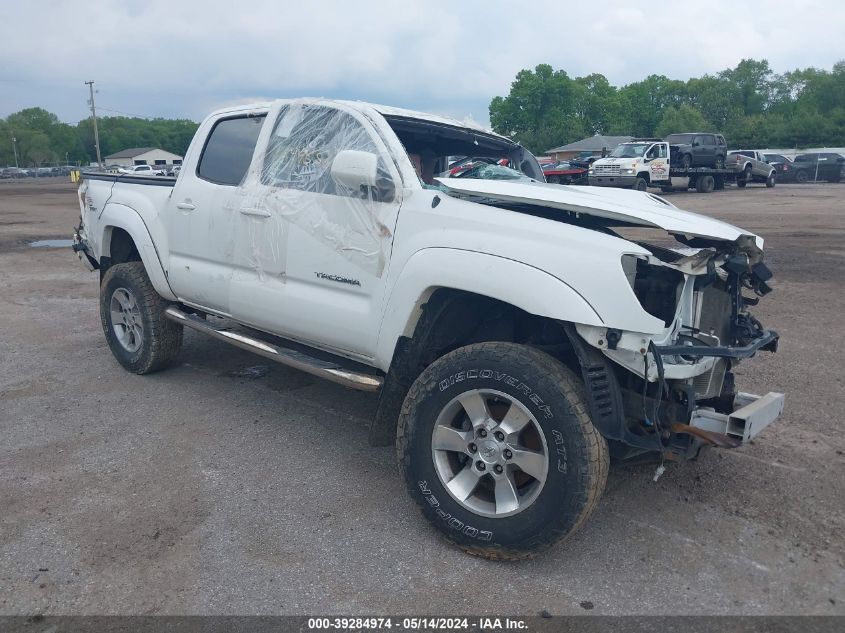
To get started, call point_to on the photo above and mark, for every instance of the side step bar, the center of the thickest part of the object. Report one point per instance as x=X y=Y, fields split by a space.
x=291 y=358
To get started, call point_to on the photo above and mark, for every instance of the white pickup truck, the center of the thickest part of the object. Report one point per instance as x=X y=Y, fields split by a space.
x=517 y=337
x=141 y=170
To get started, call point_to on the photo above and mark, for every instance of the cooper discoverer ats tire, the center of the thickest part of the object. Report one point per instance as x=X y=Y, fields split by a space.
x=498 y=450
x=141 y=338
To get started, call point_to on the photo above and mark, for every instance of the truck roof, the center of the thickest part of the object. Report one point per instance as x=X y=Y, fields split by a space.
x=384 y=110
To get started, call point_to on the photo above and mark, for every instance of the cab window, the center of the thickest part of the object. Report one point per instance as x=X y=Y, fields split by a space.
x=228 y=149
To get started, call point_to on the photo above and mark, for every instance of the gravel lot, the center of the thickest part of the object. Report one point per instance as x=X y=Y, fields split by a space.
x=226 y=485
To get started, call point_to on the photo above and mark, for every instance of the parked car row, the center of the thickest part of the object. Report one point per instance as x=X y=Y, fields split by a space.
x=145 y=170
x=701 y=160
x=809 y=167
x=35 y=172
x=704 y=149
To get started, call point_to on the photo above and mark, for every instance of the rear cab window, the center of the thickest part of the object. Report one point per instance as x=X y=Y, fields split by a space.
x=229 y=148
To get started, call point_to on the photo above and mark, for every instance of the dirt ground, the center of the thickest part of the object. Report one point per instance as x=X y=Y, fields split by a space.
x=226 y=485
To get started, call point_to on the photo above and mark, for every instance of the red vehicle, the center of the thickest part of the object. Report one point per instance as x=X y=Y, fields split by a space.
x=564 y=173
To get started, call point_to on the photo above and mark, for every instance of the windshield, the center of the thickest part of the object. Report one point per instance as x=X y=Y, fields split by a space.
x=630 y=150
x=680 y=139
x=492 y=172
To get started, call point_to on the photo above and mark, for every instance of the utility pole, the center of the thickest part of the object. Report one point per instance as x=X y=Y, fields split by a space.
x=15 y=148
x=94 y=117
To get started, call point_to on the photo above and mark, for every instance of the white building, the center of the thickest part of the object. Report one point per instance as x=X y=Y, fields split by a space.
x=142 y=156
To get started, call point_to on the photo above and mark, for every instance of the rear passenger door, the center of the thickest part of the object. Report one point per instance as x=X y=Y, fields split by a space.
x=706 y=150
x=699 y=151
x=201 y=211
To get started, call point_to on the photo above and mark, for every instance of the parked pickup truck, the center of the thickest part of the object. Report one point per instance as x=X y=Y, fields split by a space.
x=141 y=170
x=517 y=338
x=752 y=165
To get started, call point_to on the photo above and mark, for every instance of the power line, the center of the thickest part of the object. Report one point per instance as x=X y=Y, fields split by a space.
x=140 y=116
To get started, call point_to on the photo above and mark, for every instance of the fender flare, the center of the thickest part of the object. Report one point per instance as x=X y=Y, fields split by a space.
x=120 y=216
x=532 y=290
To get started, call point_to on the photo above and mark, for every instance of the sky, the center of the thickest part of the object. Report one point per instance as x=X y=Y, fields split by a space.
x=183 y=59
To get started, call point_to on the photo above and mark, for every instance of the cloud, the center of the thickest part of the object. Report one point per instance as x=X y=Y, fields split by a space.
x=183 y=58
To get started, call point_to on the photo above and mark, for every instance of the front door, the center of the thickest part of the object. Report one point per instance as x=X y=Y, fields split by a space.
x=201 y=217
x=311 y=255
x=658 y=162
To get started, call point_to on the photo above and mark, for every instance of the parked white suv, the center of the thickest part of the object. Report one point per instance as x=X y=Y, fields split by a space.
x=517 y=338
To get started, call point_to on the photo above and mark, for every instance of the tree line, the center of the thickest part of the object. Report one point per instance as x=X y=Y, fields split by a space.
x=750 y=104
x=41 y=139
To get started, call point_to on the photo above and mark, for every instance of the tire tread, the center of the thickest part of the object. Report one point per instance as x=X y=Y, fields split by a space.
x=165 y=337
x=593 y=471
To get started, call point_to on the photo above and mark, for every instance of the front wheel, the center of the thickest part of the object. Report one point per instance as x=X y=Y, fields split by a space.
x=770 y=181
x=686 y=161
x=141 y=338
x=640 y=184
x=498 y=451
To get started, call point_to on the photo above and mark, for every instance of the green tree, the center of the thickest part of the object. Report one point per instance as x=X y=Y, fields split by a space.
x=716 y=98
x=540 y=110
x=751 y=81
x=682 y=118
x=646 y=100
x=751 y=105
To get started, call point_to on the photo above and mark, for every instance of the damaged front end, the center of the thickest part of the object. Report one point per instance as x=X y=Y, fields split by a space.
x=679 y=393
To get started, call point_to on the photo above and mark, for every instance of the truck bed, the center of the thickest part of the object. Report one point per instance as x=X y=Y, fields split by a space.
x=160 y=181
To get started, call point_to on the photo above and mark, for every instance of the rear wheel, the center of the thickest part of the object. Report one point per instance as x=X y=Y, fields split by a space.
x=801 y=176
x=498 y=451
x=720 y=162
x=132 y=315
x=705 y=184
x=747 y=173
x=741 y=183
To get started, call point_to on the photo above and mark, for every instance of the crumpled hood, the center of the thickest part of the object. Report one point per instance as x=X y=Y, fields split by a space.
x=634 y=207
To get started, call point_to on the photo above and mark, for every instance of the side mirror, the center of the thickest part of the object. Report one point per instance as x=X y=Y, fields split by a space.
x=355 y=169
x=695 y=143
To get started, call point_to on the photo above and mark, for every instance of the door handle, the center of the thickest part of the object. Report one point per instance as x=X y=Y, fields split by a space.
x=255 y=211
x=185 y=206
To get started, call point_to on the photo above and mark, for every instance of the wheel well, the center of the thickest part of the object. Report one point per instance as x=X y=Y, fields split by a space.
x=454 y=318
x=121 y=249
x=451 y=319
x=644 y=175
